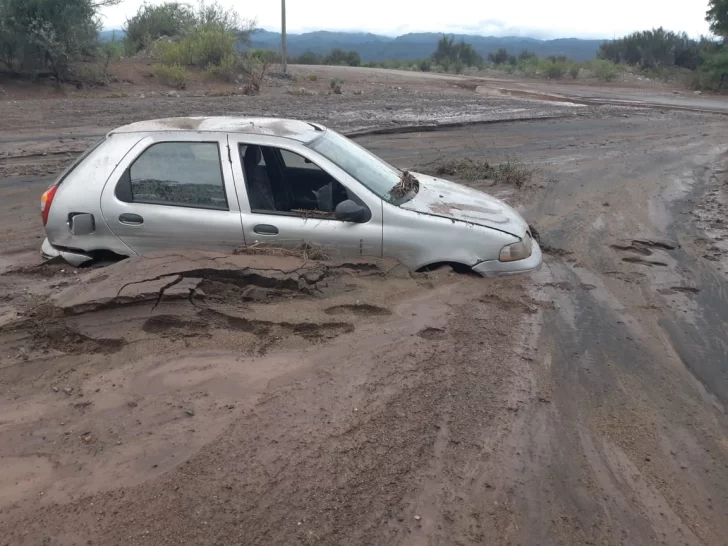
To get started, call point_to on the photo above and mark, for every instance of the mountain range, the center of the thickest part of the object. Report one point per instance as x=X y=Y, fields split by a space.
x=376 y=47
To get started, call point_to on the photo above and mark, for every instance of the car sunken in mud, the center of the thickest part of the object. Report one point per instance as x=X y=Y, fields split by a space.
x=219 y=183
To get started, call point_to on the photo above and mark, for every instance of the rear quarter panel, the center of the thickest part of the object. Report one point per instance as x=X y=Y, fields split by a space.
x=80 y=192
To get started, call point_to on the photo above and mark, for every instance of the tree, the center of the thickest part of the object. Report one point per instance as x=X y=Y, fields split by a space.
x=715 y=67
x=717 y=16
x=502 y=57
x=152 y=22
x=655 y=48
x=48 y=34
x=449 y=53
x=526 y=55
x=339 y=57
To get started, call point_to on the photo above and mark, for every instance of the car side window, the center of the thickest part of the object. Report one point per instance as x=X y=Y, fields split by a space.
x=284 y=182
x=184 y=174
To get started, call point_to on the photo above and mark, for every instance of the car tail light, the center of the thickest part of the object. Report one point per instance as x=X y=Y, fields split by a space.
x=45 y=202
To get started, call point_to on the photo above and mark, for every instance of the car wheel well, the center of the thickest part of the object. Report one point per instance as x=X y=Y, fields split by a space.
x=457 y=267
x=103 y=258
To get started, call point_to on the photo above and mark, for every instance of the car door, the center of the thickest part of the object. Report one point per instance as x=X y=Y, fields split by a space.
x=172 y=191
x=294 y=226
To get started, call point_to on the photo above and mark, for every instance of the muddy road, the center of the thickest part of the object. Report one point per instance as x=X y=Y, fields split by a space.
x=358 y=404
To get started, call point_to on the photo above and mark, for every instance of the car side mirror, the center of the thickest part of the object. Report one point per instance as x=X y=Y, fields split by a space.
x=349 y=211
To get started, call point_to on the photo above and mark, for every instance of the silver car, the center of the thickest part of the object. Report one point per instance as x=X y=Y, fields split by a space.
x=220 y=183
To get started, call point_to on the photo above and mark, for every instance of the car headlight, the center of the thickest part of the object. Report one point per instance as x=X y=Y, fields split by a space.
x=517 y=251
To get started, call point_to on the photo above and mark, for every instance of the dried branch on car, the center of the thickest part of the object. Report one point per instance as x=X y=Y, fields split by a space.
x=407 y=183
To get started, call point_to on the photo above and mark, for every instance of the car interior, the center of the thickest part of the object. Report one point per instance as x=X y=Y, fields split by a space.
x=282 y=181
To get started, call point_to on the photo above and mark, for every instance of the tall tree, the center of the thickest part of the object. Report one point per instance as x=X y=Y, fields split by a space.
x=717 y=16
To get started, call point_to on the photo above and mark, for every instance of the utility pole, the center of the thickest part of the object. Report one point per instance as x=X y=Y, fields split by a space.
x=284 y=46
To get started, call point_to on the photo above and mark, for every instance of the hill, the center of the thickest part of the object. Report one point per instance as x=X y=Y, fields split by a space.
x=375 y=47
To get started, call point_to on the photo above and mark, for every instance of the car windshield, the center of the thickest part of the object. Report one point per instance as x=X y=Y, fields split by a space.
x=377 y=175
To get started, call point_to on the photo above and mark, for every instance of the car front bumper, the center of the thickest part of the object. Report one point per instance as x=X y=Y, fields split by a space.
x=496 y=268
x=48 y=252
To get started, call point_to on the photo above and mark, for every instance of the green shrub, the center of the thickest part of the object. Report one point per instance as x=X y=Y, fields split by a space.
x=604 y=70
x=339 y=57
x=153 y=22
x=334 y=82
x=425 y=65
x=199 y=48
x=90 y=74
x=228 y=69
x=554 y=70
x=312 y=77
x=529 y=66
x=174 y=75
x=574 y=70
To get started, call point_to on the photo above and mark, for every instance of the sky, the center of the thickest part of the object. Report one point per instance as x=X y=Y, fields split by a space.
x=533 y=18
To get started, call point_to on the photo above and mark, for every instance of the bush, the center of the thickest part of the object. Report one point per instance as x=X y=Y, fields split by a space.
x=554 y=70
x=199 y=48
x=312 y=77
x=175 y=75
x=526 y=55
x=256 y=63
x=574 y=70
x=604 y=70
x=228 y=69
x=308 y=58
x=339 y=57
x=152 y=22
x=512 y=172
x=425 y=65
x=714 y=72
x=530 y=66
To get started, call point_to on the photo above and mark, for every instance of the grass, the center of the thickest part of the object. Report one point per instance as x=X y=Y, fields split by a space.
x=511 y=172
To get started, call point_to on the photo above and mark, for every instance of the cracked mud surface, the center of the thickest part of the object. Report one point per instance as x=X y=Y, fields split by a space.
x=203 y=399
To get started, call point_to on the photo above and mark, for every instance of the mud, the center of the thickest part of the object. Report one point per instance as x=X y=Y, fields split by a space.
x=198 y=398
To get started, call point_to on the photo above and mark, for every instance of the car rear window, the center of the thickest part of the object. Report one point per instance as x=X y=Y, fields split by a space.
x=186 y=174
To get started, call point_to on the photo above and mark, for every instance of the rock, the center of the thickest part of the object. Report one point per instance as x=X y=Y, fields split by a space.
x=417 y=518
x=68 y=390
x=697 y=93
x=190 y=412
x=56 y=389
x=86 y=437
x=605 y=204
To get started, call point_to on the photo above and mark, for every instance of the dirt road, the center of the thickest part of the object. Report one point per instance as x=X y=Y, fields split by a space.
x=635 y=93
x=582 y=404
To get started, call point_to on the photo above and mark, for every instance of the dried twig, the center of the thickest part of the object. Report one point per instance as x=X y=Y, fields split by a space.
x=406 y=184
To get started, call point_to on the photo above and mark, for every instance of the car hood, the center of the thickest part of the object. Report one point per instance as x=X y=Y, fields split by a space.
x=439 y=197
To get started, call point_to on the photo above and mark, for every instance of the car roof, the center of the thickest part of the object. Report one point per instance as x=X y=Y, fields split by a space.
x=285 y=128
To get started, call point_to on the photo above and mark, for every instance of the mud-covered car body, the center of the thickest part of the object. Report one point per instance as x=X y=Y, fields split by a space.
x=222 y=183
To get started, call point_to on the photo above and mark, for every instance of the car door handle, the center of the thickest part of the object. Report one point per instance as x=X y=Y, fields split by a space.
x=131 y=219
x=265 y=229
